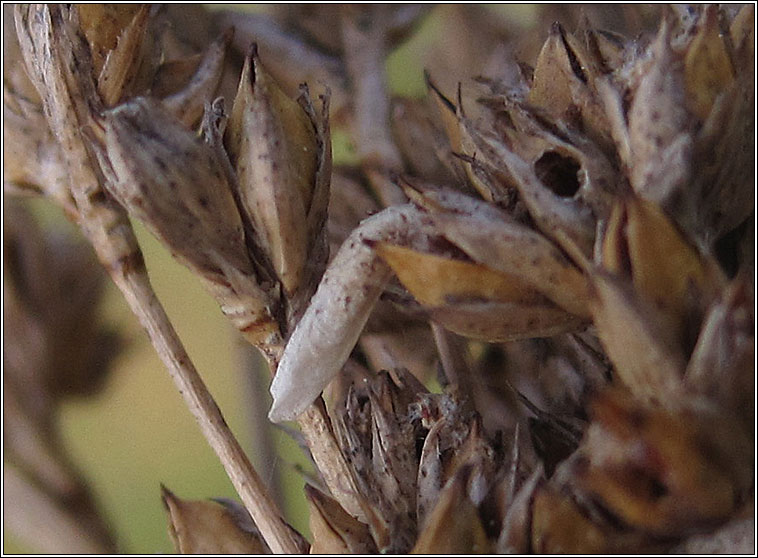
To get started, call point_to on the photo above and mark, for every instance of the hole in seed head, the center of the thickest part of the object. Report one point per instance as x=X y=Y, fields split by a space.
x=558 y=173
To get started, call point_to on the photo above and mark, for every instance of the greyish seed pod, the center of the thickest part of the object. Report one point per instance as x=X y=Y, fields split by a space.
x=169 y=179
x=660 y=125
x=280 y=150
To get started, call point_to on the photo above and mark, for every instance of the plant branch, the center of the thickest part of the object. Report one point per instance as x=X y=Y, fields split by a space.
x=264 y=511
x=265 y=457
x=364 y=37
x=316 y=428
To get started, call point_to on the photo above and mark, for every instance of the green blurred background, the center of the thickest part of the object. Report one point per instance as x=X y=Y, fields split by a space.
x=137 y=433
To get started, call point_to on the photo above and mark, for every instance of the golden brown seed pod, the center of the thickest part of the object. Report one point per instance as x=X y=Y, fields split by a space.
x=208 y=527
x=708 y=68
x=103 y=26
x=334 y=530
x=453 y=526
x=278 y=147
x=122 y=40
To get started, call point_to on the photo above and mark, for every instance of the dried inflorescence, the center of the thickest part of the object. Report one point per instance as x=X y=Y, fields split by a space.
x=570 y=241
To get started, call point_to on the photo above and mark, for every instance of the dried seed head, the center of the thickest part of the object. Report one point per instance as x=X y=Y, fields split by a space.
x=708 y=67
x=515 y=536
x=461 y=157
x=645 y=354
x=494 y=239
x=655 y=297
x=190 y=92
x=559 y=527
x=722 y=366
x=421 y=143
x=104 y=26
x=568 y=221
x=435 y=280
x=507 y=292
x=453 y=526
x=175 y=184
x=281 y=152
x=123 y=44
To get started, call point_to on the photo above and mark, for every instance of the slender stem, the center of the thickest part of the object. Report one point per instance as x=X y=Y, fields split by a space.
x=364 y=38
x=316 y=428
x=452 y=352
x=141 y=298
x=265 y=458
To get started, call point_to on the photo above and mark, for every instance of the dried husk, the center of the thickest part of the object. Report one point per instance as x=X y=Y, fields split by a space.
x=654 y=297
x=453 y=526
x=198 y=88
x=280 y=149
x=664 y=472
x=513 y=249
x=334 y=530
x=174 y=183
x=722 y=362
x=211 y=527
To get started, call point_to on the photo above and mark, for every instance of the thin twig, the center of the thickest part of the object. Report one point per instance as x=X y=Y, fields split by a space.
x=364 y=37
x=265 y=457
x=264 y=511
x=452 y=352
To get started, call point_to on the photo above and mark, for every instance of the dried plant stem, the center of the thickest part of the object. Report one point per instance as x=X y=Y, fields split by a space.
x=142 y=300
x=316 y=428
x=364 y=36
x=452 y=353
x=261 y=430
